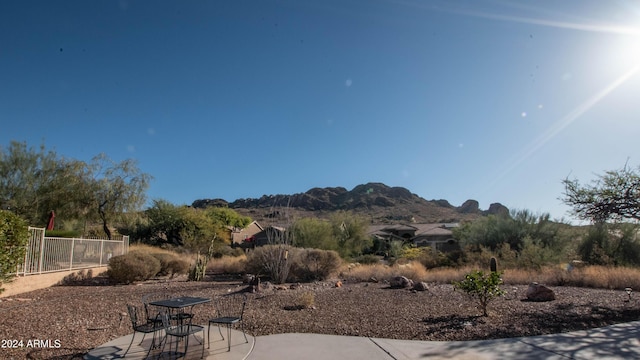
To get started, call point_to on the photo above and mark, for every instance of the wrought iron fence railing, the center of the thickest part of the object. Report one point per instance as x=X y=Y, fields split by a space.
x=49 y=254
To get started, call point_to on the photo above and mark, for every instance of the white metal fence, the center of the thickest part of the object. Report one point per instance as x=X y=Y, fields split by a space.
x=49 y=254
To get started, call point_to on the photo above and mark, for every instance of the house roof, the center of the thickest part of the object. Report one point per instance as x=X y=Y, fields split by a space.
x=433 y=229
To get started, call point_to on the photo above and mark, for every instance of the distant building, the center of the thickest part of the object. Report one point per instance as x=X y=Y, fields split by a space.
x=438 y=236
x=240 y=235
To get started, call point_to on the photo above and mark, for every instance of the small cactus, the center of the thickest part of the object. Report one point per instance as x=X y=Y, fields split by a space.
x=494 y=264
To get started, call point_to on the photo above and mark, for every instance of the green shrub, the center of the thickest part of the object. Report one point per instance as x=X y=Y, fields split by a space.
x=14 y=235
x=315 y=264
x=483 y=288
x=368 y=259
x=131 y=267
x=62 y=233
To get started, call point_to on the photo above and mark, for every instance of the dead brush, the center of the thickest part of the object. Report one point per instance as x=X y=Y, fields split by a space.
x=306 y=300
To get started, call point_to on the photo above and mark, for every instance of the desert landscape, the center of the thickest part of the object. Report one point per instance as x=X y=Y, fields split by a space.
x=87 y=314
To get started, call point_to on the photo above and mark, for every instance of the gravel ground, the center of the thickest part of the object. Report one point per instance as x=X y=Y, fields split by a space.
x=75 y=319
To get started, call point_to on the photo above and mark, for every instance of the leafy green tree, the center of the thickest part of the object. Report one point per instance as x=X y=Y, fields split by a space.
x=612 y=196
x=227 y=217
x=165 y=222
x=198 y=230
x=314 y=233
x=611 y=244
x=34 y=182
x=115 y=188
x=14 y=236
x=351 y=233
x=492 y=231
x=481 y=287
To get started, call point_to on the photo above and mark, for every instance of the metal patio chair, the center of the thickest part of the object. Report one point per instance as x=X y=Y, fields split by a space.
x=150 y=312
x=140 y=325
x=229 y=311
x=182 y=332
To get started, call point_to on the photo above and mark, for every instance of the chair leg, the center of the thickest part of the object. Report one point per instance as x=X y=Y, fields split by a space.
x=132 y=337
x=186 y=345
x=166 y=340
x=243 y=333
x=202 y=355
x=228 y=337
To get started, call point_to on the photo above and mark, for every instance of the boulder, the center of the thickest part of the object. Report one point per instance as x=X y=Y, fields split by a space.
x=469 y=207
x=420 y=286
x=401 y=282
x=537 y=292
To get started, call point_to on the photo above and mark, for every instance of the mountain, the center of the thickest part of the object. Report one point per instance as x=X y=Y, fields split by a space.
x=381 y=203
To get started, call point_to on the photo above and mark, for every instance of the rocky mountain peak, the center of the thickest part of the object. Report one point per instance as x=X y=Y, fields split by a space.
x=381 y=203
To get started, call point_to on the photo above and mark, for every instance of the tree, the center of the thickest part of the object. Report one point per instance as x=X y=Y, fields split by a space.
x=612 y=196
x=492 y=231
x=14 y=236
x=34 y=182
x=313 y=233
x=227 y=217
x=351 y=233
x=114 y=188
x=182 y=226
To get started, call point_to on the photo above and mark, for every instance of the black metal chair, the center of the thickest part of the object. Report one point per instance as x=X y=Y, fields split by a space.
x=140 y=325
x=151 y=315
x=182 y=332
x=229 y=311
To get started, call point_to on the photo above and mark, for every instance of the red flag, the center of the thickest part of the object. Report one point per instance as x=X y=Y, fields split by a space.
x=52 y=216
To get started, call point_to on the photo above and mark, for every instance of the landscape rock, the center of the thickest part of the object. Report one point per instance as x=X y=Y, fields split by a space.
x=537 y=292
x=421 y=286
x=401 y=282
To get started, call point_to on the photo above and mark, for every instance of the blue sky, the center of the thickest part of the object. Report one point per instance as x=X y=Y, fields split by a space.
x=497 y=101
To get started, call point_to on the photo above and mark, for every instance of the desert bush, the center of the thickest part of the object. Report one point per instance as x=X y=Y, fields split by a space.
x=534 y=256
x=446 y=275
x=315 y=264
x=412 y=270
x=602 y=277
x=170 y=264
x=507 y=256
x=133 y=266
x=477 y=256
x=228 y=265
x=412 y=253
x=480 y=287
x=14 y=235
x=363 y=273
x=222 y=250
x=306 y=300
x=368 y=259
x=432 y=258
x=273 y=261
